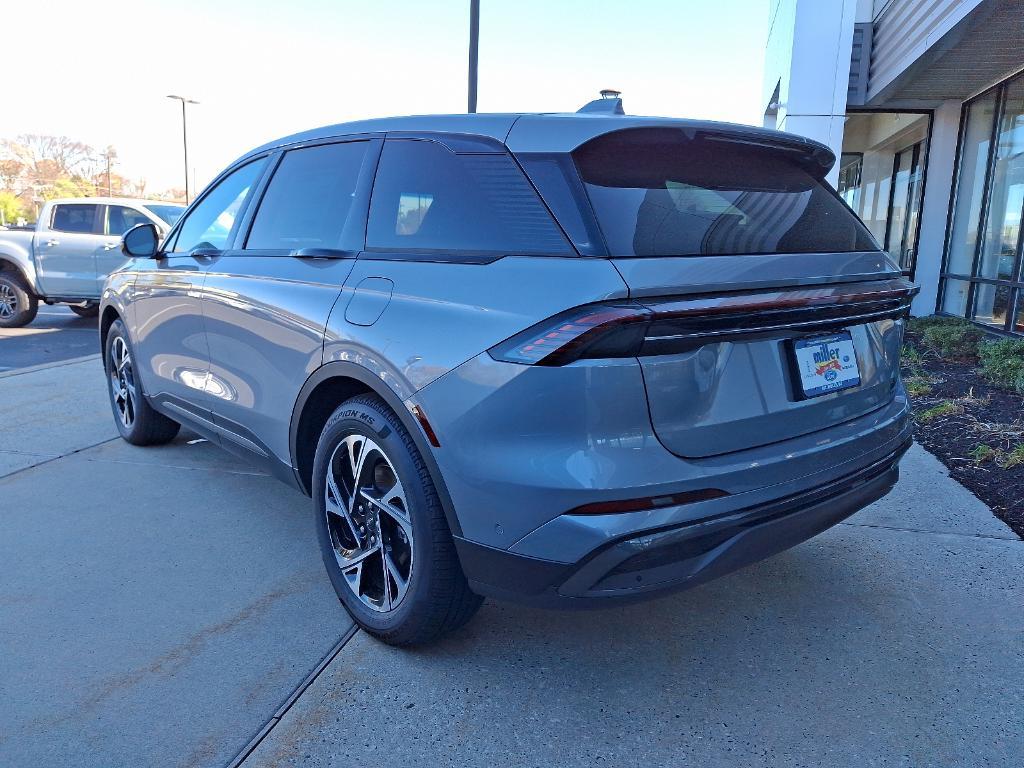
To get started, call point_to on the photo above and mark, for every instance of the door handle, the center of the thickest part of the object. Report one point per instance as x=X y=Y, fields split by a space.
x=321 y=253
x=51 y=242
x=109 y=246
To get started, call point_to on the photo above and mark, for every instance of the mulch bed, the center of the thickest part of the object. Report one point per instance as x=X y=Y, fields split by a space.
x=979 y=414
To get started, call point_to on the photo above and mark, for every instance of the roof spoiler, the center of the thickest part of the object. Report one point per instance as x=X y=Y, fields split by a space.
x=610 y=103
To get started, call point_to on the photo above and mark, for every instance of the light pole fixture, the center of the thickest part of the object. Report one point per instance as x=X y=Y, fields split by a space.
x=184 y=136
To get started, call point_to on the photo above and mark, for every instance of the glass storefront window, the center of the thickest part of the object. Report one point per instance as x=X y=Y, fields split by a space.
x=974 y=152
x=954 y=297
x=985 y=242
x=1006 y=198
x=882 y=164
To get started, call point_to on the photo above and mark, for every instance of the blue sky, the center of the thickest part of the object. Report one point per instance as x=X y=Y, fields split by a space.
x=262 y=69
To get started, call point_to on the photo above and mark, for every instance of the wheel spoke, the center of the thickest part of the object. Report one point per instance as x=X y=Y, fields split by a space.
x=358 y=557
x=401 y=582
x=340 y=508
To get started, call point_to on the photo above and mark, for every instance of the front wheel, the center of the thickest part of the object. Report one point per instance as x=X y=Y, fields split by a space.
x=136 y=420
x=383 y=533
x=18 y=306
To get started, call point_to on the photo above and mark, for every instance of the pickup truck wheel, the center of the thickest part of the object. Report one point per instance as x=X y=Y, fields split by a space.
x=18 y=307
x=136 y=420
x=89 y=310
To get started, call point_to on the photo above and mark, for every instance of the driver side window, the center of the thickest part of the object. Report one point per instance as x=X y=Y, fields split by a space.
x=209 y=224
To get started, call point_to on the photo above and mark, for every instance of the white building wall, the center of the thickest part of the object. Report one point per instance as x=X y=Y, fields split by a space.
x=808 y=61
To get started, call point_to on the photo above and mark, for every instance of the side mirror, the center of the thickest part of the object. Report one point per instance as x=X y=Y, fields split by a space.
x=141 y=241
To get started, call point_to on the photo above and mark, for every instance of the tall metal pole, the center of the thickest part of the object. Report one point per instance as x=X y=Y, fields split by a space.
x=474 y=47
x=184 y=138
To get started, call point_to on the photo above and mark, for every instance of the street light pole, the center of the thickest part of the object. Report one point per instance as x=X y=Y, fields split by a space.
x=474 y=47
x=184 y=136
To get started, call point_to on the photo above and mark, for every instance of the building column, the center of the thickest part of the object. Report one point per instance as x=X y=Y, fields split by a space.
x=815 y=75
x=935 y=204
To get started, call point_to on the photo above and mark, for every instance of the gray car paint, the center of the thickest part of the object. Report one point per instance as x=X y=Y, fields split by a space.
x=520 y=446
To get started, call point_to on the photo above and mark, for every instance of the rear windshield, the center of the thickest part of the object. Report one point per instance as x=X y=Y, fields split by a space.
x=661 y=192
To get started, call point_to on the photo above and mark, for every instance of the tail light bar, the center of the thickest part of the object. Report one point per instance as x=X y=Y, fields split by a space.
x=672 y=325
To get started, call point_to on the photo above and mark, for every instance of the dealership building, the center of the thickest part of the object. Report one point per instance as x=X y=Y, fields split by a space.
x=922 y=101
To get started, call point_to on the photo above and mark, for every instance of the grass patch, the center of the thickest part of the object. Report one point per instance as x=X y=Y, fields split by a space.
x=946 y=408
x=1014 y=458
x=912 y=359
x=1004 y=459
x=1002 y=363
x=918 y=386
x=982 y=453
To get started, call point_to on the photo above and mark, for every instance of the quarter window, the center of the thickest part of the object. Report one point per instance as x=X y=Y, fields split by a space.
x=309 y=200
x=426 y=198
x=209 y=224
x=78 y=218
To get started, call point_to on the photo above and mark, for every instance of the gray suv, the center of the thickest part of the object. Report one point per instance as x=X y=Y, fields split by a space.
x=562 y=359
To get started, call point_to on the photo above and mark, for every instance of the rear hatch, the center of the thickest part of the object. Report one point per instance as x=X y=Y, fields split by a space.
x=767 y=310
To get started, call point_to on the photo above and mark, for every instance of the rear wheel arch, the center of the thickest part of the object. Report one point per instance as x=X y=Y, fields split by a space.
x=326 y=389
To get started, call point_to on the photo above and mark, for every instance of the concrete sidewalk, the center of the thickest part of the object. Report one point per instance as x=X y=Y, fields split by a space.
x=896 y=639
x=157 y=605
x=163 y=606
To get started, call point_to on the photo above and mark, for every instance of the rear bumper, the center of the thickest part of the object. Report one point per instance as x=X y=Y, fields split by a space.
x=678 y=557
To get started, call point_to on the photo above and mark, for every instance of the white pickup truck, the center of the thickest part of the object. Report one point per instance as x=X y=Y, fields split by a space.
x=75 y=245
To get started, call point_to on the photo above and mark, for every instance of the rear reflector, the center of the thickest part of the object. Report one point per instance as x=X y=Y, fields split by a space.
x=650 y=502
x=673 y=325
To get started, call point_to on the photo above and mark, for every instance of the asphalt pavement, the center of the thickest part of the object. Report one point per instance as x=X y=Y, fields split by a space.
x=56 y=335
x=167 y=607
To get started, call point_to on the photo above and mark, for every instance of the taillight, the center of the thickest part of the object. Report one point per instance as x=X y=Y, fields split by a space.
x=596 y=330
x=671 y=325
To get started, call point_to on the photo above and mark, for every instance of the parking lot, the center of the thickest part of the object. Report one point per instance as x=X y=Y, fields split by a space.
x=167 y=606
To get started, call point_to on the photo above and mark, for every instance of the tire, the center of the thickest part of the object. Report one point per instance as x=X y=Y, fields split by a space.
x=406 y=524
x=89 y=310
x=18 y=306
x=136 y=420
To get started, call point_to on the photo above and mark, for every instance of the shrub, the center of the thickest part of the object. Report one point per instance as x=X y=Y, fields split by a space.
x=1002 y=363
x=952 y=338
x=920 y=324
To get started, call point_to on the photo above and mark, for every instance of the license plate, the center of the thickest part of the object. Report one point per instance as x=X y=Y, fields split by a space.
x=826 y=363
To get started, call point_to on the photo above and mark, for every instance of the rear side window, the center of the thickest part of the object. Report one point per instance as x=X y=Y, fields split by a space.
x=79 y=218
x=659 y=192
x=120 y=219
x=309 y=199
x=426 y=198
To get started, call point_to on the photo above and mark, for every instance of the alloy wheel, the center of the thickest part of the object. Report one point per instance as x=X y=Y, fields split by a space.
x=8 y=301
x=122 y=382
x=369 y=523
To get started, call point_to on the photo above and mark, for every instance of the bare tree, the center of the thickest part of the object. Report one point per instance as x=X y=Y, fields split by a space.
x=53 y=155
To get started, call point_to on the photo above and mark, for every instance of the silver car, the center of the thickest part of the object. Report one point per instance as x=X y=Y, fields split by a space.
x=567 y=360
